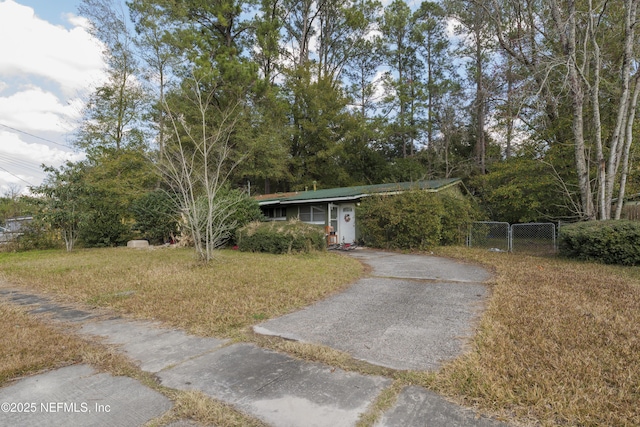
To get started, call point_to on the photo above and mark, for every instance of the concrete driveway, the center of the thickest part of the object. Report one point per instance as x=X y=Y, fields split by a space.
x=413 y=312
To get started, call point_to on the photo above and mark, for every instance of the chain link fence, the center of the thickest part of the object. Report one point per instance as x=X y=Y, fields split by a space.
x=491 y=235
x=536 y=238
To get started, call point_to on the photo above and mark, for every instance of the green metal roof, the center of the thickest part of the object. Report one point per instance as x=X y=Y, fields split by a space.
x=353 y=193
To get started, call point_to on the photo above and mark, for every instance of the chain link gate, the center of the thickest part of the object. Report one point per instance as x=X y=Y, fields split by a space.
x=491 y=235
x=536 y=238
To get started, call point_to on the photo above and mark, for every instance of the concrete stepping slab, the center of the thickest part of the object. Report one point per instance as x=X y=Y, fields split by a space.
x=43 y=305
x=183 y=423
x=277 y=388
x=418 y=407
x=152 y=347
x=406 y=266
x=25 y=299
x=80 y=396
x=400 y=324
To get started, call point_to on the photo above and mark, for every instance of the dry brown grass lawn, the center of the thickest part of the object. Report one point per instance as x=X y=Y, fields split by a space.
x=28 y=346
x=221 y=299
x=558 y=344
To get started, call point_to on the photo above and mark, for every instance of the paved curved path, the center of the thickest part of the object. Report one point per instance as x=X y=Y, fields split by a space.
x=413 y=320
x=413 y=312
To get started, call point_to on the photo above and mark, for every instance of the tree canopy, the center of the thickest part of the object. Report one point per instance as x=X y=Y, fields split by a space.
x=531 y=102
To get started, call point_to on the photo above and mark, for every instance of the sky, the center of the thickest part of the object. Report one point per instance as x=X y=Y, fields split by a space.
x=48 y=67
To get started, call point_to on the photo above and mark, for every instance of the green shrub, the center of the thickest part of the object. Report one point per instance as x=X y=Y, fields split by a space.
x=246 y=211
x=456 y=219
x=409 y=220
x=414 y=220
x=610 y=242
x=104 y=226
x=279 y=237
x=156 y=215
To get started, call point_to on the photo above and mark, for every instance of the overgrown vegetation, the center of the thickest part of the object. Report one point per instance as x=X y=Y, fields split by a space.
x=415 y=220
x=610 y=242
x=277 y=237
x=156 y=217
x=508 y=193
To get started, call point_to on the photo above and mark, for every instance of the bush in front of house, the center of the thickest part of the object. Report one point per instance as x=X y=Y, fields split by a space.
x=414 y=220
x=609 y=242
x=246 y=211
x=34 y=235
x=458 y=215
x=278 y=237
x=410 y=220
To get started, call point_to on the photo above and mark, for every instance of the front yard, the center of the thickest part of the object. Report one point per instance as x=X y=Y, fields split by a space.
x=558 y=344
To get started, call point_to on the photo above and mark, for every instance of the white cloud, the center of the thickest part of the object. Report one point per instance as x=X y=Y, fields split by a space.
x=31 y=46
x=34 y=153
x=35 y=109
x=20 y=161
x=77 y=21
x=45 y=72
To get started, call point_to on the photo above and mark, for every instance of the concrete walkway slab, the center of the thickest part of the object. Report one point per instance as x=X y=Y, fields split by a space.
x=152 y=347
x=79 y=396
x=417 y=407
x=277 y=388
x=36 y=304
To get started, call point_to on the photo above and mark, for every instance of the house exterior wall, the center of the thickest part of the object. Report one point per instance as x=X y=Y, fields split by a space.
x=293 y=212
x=286 y=206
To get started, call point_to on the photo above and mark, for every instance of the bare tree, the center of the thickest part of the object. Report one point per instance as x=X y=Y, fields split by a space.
x=579 y=29
x=197 y=165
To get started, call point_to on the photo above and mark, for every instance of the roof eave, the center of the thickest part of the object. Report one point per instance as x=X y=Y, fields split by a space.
x=326 y=199
x=284 y=201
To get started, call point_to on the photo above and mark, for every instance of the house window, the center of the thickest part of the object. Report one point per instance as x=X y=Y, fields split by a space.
x=275 y=214
x=313 y=214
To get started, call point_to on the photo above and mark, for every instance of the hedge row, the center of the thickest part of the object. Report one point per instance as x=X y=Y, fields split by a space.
x=414 y=220
x=279 y=237
x=610 y=242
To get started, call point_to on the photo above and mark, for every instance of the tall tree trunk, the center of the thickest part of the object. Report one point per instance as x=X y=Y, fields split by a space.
x=616 y=146
x=597 y=126
x=480 y=100
x=567 y=33
x=509 y=107
x=627 y=146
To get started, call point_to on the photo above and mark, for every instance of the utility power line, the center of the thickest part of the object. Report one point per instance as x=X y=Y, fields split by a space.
x=12 y=174
x=34 y=136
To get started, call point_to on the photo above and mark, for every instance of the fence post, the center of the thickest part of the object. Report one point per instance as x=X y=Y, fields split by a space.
x=510 y=233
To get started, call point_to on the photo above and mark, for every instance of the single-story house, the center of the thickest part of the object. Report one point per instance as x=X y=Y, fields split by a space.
x=335 y=207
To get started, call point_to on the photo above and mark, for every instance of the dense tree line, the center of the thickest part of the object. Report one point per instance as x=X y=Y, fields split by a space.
x=531 y=101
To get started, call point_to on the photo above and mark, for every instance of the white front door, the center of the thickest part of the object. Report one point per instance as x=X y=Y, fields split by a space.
x=347 y=223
